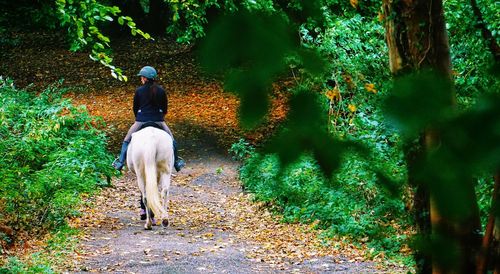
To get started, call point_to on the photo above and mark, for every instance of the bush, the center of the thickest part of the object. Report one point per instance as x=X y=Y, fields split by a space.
x=350 y=204
x=52 y=152
x=14 y=265
x=470 y=54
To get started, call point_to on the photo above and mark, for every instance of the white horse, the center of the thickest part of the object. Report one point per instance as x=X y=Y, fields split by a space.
x=150 y=156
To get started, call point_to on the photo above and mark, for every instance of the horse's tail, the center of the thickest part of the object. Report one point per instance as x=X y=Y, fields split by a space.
x=152 y=193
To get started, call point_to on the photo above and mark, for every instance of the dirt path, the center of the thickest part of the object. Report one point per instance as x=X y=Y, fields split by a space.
x=214 y=229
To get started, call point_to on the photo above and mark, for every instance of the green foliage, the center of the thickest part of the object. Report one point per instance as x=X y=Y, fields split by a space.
x=466 y=145
x=351 y=204
x=305 y=130
x=491 y=15
x=334 y=47
x=357 y=54
x=61 y=243
x=190 y=17
x=14 y=265
x=352 y=45
x=357 y=58
x=241 y=150
x=484 y=189
x=471 y=57
x=83 y=20
x=252 y=49
x=431 y=98
x=356 y=75
x=36 y=15
x=351 y=147
x=52 y=152
x=6 y=41
x=253 y=58
x=262 y=45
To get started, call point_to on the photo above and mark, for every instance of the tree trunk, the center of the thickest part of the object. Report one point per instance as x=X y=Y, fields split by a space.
x=421 y=204
x=157 y=19
x=416 y=36
x=485 y=256
x=417 y=39
x=496 y=230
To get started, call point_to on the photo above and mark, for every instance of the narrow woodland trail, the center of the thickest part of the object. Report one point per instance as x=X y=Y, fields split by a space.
x=215 y=227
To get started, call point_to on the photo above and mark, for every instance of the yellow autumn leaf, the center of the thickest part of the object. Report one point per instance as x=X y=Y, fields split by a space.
x=354 y=3
x=352 y=108
x=380 y=17
x=333 y=94
x=370 y=88
x=348 y=79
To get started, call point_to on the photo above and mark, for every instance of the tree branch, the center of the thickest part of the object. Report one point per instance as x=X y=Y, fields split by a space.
x=486 y=33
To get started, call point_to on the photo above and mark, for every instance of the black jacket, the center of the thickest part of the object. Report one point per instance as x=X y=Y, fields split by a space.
x=150 y=103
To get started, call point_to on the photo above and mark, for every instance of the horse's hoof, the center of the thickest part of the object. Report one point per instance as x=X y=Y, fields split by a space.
x=165 y=223
x=148 y=227
x=153 y=222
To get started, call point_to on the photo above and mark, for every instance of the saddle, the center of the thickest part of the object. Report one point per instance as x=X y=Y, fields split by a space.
x=151 y=124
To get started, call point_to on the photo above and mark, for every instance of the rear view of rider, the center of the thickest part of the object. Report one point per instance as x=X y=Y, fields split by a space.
x=150 y=105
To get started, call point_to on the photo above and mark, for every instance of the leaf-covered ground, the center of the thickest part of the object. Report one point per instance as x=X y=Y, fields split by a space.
x=216 y=228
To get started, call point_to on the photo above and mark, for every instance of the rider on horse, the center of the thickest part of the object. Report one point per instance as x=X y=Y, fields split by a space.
x=150 y=105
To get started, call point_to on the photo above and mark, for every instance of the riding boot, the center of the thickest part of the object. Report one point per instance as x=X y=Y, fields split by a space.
x=119 y=163
x=178 y=161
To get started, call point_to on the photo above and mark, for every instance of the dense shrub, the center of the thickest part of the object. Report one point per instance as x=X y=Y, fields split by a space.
x=52 y=152
x=349 y=204
x=14 y=265
x=471 y=57
x=353 y=203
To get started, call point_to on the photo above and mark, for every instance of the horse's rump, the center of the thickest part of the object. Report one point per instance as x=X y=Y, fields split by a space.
x=150 y=156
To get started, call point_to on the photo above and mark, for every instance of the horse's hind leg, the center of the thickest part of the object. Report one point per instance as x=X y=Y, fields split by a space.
x=143 y=211
x=153 y=221
x=149 y=222
x=141 y=183
x=165 y=186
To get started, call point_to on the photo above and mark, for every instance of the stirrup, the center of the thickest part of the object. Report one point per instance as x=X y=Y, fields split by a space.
x=179 y=164
x=117 y=164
